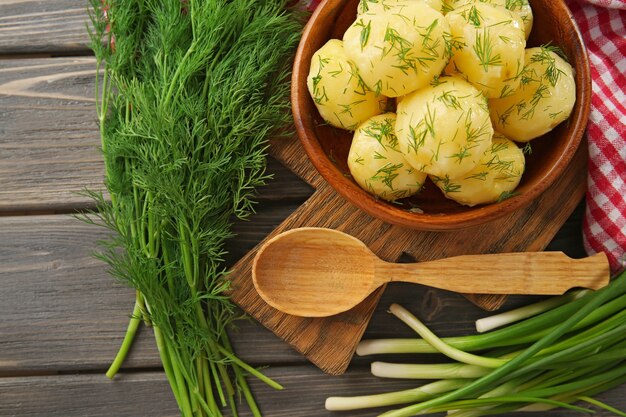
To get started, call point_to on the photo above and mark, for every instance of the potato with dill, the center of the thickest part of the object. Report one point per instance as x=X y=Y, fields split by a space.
x=444 y=129
x=376 y=163
x=398 y=50
x=339 y=93
x=377 y=6
x=521 y=7
x=525 y=11
x=487 y=44
x=545 y=98
x=494 y=178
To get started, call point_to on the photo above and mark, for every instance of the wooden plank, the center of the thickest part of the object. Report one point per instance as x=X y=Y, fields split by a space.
x=61 y=311
x=37 y=26
x=147 y=394
x=48 y=134
x=49 y=141
x=87 y=395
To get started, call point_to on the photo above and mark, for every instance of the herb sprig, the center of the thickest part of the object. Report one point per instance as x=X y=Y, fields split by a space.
x=187 y=94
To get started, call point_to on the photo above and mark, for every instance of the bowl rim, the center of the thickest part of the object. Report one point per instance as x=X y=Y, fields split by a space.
x=474 y=216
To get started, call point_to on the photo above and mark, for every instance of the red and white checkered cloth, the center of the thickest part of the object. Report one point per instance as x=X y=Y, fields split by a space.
x=603 y=25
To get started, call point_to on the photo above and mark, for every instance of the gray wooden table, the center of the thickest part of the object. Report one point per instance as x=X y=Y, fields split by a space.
x=62 y=317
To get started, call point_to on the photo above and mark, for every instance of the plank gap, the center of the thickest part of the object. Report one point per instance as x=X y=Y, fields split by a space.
x=61 y=53
x=23 y=373
x=17 y=55
x=42 y=211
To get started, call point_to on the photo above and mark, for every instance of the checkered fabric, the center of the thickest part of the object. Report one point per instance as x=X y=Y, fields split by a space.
x=603 y=24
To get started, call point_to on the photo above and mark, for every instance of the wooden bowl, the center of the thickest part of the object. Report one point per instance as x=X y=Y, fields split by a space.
x=328 y=147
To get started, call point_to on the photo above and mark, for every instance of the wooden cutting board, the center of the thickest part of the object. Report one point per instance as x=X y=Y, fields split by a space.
x=330 y=342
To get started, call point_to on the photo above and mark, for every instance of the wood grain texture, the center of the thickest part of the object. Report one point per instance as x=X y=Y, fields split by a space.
x=48 y=133
x=61 y=311
x=36 y=26
x=320 y=272
x=330 y=342
x=147 y=394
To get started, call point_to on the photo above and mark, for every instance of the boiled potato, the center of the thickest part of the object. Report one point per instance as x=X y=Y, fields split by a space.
x=444 y=129
x=376 y=163
x=494 y=178
x=399 y=50
x=450 y=5
x=376 y=6
x=488 y=47
x=522 y=7
x=544 y=99
x=339 y=93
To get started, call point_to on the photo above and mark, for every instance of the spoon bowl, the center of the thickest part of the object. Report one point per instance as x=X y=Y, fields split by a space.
x=318 y=272
x=329 y=257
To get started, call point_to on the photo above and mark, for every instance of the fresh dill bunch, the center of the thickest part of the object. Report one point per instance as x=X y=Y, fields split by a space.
x=188 y=93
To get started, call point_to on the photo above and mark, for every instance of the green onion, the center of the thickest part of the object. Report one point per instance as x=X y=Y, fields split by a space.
x=427 y=371
x=498 y=320
x=578 y=350
x=440 y=345
x=425 y=392
x=526 y=331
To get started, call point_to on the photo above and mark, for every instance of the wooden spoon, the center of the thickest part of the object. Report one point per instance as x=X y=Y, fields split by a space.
x=317 y=272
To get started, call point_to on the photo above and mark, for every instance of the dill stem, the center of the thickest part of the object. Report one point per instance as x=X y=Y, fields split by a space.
x=191 y=14
x=142 y=306
x=233 y=406
x=142 y=231
x=174 y=82
x=230 y=391
x=102 y=112
x=133 y=224
x=166 y=261
x=205 y=408
x=133 y=324
x=184 y=402
x=196 y=263
x=250 y=369
x=193 y=392
x=200 y=384
x=220 y=374
x=242 y=382
x=151 y=231
x=188 y=261
x=167 y=365
x=218 y=385
x=208 y=389
x=199 y=390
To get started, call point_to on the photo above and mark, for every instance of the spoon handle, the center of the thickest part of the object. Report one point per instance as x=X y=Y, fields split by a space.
x=504 y=273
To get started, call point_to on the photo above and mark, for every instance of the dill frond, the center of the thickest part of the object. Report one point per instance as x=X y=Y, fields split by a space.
x=188 y=94
x=483 y=48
